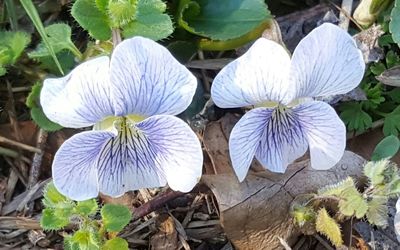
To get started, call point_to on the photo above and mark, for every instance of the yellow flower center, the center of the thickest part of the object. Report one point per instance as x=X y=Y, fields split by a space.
x=119 y=123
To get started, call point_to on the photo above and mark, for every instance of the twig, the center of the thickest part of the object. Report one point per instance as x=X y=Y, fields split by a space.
x=323 y=242
x=17 y=171
x=155 y=204
x=19 y=145
x=11 y=153
x=37 y=159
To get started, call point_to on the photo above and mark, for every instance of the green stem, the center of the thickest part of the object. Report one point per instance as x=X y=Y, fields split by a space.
x=380 y=113
x=76 y=52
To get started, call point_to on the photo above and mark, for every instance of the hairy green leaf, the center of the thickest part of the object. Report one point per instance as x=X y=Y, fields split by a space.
x=378 y=211
x=14 y=43
x=386 y=148
x=59 y=36
x=394 y=25
x=92 y=19
x=115 y=217
x=51 y=220
x=122 y=12
x=86 y=239
x=375 y=171
x=352 y=203
x=337 y=189
x=150 y=21
x=34 y=16
x=88 y=207
x=355 y=117
x=327 y=226
x=116 y=243
x=221 y=20
x=52 y=198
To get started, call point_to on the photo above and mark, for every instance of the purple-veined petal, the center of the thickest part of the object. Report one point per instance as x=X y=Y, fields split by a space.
x=259 y=76
x=326 y=62
x=283 y=141
x=245 y=139
x=148 y=80
x=325 y=133
x=75 y=165
x=158 y=150
x=81 y=98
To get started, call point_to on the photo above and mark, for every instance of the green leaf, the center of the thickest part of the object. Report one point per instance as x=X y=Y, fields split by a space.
x=115 y=217
x=374 y=96
x=67 y=61
x=386 y=148
x=392 y=59
x=391 y=125
x=59 y=36
x=150 y=22
x=221 y=20
x=394 y=25
x=116 y=243
x=42 y=121
x=377 y=68
x=375 y=171
x=88 y=207
x=122 y=12
x=34 y=16
x=354 y=117
x=51 y=220
x=337 y=189
x=52 y=198
x=15 y=42
x=352 y=203
x=327 y=226
x=86 y=240
x=395 y=95
x=92 y=19
x=302 y=214
x=378 y=211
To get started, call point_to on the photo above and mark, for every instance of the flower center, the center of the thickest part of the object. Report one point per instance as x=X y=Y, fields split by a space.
x=119 y=123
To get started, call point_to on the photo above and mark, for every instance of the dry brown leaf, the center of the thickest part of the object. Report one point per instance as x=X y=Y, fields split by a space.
x=255 y=213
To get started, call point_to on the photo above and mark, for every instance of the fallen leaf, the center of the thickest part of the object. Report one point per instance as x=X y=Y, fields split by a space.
x=166 y=237
x=390 y=76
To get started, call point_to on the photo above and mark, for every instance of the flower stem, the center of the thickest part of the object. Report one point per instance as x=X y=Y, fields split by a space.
x=116 y=37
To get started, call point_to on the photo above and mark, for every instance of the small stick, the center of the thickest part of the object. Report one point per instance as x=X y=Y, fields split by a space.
x=19 y=145
x=155 y=204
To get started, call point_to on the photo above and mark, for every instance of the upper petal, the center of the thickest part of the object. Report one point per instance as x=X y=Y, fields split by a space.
x=75 y=165
x=283 y=141
x=148 y=80
x=326 y=62
x=258 y=76
x=245 y=138
x=158 y=150
x=325 y=133
x=81 y=98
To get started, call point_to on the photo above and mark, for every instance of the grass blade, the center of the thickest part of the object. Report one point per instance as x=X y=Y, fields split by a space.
x=11 y=14
x=34 y=16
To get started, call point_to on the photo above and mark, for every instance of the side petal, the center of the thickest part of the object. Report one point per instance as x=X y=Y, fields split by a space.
x=260 y=75
x=283 y=141
x=326 y=62
x=325 y=133
x=81 y=98
x=245 y=138
x=74 y=165
x=158 y=150
x=148 y=80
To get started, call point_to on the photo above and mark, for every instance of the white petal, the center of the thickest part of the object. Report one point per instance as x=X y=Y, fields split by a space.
x=397 y=220
x=260 y=75
x=81 y=98
x=325 y=132
x=74 y=165
x=148 y=80
x=158 y=150
x=245 y=139
x=283 y=142
x=326 y=62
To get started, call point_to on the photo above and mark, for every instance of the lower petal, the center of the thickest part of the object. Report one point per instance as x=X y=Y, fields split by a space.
x=149 y=154
x=245 y=138
x=283 y=141
x=74 y=165
x=325 y=132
